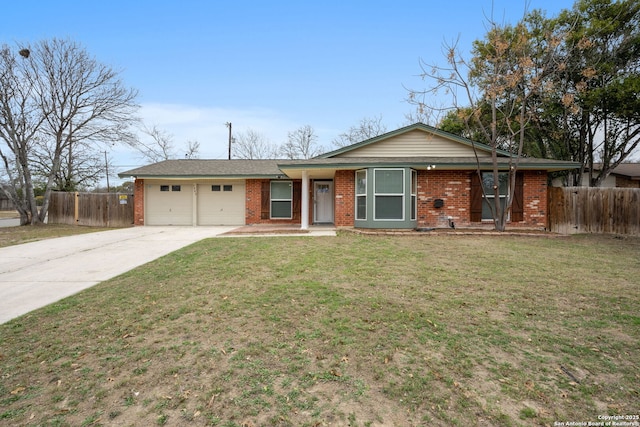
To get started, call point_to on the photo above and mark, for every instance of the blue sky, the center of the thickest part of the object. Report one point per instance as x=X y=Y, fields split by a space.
x=270 y=66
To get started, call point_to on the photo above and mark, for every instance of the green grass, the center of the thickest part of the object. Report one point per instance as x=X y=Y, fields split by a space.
x=30 y=233
x=353 y=330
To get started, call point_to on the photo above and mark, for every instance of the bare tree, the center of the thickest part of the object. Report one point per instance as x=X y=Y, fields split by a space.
x=421 y=115
x=80 y=169
x=59 y=100
x=253 y=145
x=192 y=150
x=504 y=73
x=158 y=145
x=20 y=121
x=302 y=143
x=367 y=128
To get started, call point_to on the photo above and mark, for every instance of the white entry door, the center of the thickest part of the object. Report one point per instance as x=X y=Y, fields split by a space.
x=323 y=201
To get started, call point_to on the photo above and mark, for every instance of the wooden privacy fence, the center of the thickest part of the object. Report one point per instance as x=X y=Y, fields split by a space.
x=594 y=210
x=6 y=205
x=91 y=209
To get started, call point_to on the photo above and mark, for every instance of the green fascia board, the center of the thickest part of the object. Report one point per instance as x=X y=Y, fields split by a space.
x=503 y=164
x=230 y=176
x=468 y=142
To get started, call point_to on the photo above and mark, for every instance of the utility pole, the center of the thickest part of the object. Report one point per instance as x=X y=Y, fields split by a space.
x=228 y=124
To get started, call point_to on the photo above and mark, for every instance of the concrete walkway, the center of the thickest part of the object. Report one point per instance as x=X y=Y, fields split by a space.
x=33 y=275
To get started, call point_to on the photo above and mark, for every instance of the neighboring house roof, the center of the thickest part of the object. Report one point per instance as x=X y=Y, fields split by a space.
x=628 y=170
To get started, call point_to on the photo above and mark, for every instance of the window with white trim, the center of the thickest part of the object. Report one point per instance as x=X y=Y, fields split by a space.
x=281 y=199
x=361 y=195
x=388 y=195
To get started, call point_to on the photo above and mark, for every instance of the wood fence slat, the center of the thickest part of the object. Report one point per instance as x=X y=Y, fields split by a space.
x=594 y=210
x=94 y=209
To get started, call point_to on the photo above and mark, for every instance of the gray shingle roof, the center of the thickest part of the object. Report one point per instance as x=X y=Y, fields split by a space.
x=196 y=168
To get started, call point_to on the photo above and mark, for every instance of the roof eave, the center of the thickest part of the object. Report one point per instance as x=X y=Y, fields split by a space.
x=231 y=176
x=551 y=167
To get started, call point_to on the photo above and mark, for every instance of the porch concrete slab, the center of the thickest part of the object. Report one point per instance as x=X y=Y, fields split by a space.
x=281 y=230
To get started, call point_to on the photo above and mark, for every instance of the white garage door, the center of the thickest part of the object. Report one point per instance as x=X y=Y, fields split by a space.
x=221 y=203
x=169 y=204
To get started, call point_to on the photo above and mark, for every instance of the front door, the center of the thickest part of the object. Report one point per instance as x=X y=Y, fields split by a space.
x=323 y=201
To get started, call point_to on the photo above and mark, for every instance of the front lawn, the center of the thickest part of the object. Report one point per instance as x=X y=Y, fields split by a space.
x=353 y=330
x=10 y=236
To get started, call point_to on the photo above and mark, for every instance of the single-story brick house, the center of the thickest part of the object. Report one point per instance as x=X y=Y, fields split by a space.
x=416 y=176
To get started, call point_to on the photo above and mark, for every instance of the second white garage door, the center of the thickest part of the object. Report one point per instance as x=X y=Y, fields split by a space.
x=221 y=203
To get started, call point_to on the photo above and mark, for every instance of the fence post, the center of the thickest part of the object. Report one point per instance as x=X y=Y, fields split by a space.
x=76 y=208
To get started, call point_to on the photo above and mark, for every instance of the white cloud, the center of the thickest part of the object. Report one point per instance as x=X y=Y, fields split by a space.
x=207 y=125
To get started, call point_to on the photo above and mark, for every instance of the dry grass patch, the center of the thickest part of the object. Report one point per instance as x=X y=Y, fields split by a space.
x=353 y=330
x=30 y=233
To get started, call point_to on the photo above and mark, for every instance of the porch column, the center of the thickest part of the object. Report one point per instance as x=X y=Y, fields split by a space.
x=304 y=220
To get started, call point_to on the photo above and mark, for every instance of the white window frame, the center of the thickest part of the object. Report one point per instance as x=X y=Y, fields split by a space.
x=401 y=195
x=290 y=199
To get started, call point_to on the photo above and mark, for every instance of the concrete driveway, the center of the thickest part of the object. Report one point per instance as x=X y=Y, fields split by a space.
x=33 y=275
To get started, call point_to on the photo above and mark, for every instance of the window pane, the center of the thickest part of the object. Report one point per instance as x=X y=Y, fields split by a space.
x=486 y=210
x=281 y=190
x=413 y=207
x=175 y=188
x=361 y=182
x=414 y=182
x=228 y=187
x=215 y=188
x=389 y=181
x=389 y=207
x=280 y=209
x=361 y=207
x=487 y=182
x=164 y=188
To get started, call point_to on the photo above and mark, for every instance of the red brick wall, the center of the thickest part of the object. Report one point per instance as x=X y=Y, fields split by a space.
x=138 y=202
x=535 y=199
x=344 y=187
x=253 y=205
x=454 y=188
x=253 y=201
